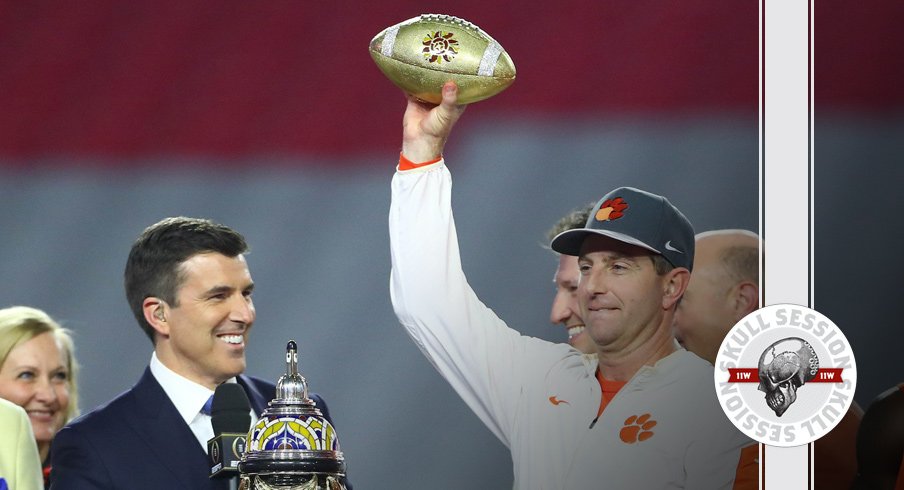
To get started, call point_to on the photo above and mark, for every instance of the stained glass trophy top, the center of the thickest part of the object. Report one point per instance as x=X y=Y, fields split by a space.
x=292 y=446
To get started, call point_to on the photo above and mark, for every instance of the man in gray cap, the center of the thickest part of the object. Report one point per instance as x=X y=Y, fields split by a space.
x=642 y=413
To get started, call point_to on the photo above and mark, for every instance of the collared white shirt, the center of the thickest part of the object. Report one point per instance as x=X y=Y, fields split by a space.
x=189 y=398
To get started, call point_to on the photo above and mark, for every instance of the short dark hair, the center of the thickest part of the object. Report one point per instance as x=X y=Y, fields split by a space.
x=660 y=264
x=576 y=218
x=153 y=266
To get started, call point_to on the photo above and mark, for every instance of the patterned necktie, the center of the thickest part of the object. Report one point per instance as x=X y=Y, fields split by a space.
x=207 y=405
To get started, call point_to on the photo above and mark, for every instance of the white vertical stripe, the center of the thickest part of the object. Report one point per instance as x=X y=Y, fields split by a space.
x=389 y=41
x=488 y=61
x=786 y=187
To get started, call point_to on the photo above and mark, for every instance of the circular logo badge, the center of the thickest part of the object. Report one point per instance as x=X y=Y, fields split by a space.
x=785 y=375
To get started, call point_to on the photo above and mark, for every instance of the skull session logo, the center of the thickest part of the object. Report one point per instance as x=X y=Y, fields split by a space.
x=785 y=375
x=781 y=374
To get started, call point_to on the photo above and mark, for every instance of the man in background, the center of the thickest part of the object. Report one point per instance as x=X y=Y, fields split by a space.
x=565 y=309
x=724 y=288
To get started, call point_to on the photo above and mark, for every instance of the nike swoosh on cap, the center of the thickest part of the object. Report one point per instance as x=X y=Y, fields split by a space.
x=668 y=246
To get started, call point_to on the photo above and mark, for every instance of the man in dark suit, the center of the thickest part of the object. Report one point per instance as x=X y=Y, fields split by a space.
x=189 y=287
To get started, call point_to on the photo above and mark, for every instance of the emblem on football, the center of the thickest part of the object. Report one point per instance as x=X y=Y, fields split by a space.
x=785 y=375
x=440 y=46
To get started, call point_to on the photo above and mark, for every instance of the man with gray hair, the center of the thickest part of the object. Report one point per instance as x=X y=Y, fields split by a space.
x=642 y=413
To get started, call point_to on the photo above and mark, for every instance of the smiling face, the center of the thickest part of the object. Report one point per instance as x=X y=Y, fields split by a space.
x=35 y=377
x=621 y=296
x=203 y=336
x=565 y=308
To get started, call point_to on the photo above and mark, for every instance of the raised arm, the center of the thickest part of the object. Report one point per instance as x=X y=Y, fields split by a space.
x=484 y=360
x=425 y=127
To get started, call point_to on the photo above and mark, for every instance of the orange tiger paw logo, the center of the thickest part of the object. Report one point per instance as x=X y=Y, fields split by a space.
x=611 y=210
x=637 y=428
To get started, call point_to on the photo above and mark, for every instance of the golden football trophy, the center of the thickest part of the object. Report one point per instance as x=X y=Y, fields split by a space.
x=420 y=54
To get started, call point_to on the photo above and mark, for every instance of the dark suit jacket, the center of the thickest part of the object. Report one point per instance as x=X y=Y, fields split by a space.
x=139 y=441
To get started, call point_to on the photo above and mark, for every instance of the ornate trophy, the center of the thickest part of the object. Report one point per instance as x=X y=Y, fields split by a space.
x=292 y=446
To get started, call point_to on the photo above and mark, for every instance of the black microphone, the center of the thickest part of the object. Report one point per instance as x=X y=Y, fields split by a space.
x=231 y=419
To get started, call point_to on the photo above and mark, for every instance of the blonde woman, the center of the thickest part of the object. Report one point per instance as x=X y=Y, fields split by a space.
x=38 y=372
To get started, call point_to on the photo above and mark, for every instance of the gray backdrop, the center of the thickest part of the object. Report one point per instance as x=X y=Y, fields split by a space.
x=320 y=259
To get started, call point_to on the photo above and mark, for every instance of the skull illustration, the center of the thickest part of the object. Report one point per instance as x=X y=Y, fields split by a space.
x=784 y=367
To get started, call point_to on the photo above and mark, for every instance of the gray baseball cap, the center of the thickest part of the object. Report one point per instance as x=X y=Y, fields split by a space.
x=639 y=218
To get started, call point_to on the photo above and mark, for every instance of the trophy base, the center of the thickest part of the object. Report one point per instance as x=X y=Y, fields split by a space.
x=284 y=481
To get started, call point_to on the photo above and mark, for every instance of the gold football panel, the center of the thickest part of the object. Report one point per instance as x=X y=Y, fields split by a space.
x=409 y=48
x=426 y=84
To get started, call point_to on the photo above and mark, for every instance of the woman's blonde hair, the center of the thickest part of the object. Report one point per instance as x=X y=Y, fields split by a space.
x=20 y=324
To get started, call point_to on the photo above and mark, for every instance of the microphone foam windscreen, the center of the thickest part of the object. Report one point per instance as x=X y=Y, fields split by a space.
x=230 y=411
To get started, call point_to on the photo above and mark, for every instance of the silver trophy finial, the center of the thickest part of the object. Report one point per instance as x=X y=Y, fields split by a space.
x=291 y=358
x=292 y=387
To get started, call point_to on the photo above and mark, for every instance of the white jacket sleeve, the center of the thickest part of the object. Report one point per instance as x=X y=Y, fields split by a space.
x=20 y=465
x=482 y=358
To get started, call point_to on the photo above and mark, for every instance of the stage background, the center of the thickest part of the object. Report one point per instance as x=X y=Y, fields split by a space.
x=271 y=118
